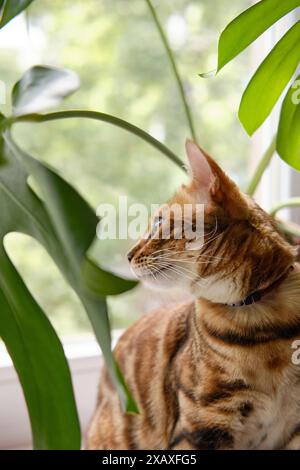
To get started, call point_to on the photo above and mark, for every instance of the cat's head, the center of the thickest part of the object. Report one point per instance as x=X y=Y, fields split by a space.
x=238 y=248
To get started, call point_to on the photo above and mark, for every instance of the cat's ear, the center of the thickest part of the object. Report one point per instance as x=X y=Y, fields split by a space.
x=210 y=182
x=203 y=179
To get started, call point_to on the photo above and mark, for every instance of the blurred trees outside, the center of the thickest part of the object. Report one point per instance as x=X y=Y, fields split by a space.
x=114 y=47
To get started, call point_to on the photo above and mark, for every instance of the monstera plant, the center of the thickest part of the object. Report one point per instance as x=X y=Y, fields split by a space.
x=53 y=212
x=64 y=224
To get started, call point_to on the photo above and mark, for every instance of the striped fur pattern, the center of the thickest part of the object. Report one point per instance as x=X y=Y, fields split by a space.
x=207 y=375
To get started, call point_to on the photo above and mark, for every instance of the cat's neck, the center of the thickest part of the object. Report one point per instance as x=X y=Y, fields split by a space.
x=266 y=261
x=219 y=289
x=223 y=291
x=252 y=335
x=279 y=302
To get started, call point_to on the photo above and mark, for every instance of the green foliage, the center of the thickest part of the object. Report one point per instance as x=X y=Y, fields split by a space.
x=11 y=8
x=103 y=283
x=269 y=81
x=2 y=153
x=261 y=167
x=29 y=337
x=65 y=225
x=39 y=360
x=292 y=202
x=174 y=69
x=78 y=113
x=288 y=139
x=132 y=79
x=249 y=25
x=41 y=88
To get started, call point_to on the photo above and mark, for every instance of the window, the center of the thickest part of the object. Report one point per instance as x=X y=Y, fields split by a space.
x=131 y=78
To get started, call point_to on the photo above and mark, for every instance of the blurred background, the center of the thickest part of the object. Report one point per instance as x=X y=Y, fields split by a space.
x=115 y=49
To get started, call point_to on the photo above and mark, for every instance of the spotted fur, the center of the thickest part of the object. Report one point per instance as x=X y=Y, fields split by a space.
x=207 y=375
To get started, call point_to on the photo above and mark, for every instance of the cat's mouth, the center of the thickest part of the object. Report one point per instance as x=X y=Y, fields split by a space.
x=151 y=272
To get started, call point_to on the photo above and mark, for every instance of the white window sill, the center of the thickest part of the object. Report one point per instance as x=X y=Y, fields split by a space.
x=84 y=357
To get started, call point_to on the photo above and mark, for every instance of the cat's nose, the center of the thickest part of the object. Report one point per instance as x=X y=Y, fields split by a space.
x=130 y=255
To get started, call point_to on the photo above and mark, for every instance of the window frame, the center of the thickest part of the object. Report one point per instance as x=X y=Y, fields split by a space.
x=85 y=361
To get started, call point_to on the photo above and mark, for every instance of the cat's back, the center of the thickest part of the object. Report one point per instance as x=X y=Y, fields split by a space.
x=145 y=353
x=159 y=332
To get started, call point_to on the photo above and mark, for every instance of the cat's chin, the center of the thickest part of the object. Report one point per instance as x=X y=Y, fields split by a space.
x=164 y=278
x=159 y=284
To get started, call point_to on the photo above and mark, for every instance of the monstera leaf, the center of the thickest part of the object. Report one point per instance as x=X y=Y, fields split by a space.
x=249 y=25
x=269 y=80
x=65 y=225
x=11 y=8
x=39 y=360
x=2 y=152
x=288 y=138
x=41 y=88
x=272 y=76
x=32 y=343
x=67 y=228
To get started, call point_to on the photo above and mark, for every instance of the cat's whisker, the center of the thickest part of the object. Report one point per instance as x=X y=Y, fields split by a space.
x=167 y=250
x=174 y=256
x=157 y=270
x=185 y=275
x=211 y=239
x=179 y=260
x=166 y=265
x=190 y=258
x=179 y=270
x=176 y=271
x=154 y=267
x=184 y=270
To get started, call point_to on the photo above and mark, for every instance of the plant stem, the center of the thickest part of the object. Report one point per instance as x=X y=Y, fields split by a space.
x=289 y=228
x=292 y=202
x=78 y=113
x=174 y=68
x=263 y=164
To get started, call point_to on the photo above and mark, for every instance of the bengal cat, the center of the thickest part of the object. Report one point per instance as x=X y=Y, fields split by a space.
x=216 y=373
